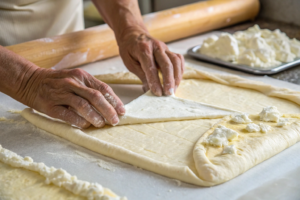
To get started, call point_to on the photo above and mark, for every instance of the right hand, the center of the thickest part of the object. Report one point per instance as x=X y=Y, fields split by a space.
x=73 y=96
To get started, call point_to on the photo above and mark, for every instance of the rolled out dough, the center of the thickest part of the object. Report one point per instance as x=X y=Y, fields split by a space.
x=168 y=148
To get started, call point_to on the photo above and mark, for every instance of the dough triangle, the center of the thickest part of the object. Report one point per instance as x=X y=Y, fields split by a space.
x=149 y=108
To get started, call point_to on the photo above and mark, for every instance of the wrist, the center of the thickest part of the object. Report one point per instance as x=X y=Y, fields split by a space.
x=15 y=71
x=28 y=84
x=130 y=31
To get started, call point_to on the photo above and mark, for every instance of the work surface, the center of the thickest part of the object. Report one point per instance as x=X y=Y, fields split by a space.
x=276 y=178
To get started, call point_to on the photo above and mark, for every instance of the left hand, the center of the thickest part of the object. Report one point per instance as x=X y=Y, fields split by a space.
x=144 y=56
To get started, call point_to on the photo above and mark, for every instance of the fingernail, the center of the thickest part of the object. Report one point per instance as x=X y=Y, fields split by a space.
x=158 y=92
x=171 y=91
x=115 y=120
x=122 y=110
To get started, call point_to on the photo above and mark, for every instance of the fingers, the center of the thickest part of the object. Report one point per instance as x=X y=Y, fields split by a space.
x=83 y=108
x=148 y=65
x=99 y=102
x=94 y=100
x=177 y=62
x=69 y=116
x=108 y=94
x=135 y=68
x=182 y=63
x=170 y=64
x=166 y=68
x=140 y=73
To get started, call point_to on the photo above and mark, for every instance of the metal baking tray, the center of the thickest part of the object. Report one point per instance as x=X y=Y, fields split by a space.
x=268 y=71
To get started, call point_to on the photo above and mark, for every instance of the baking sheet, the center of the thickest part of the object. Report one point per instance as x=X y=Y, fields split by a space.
x=194 y=52
x=135 y=183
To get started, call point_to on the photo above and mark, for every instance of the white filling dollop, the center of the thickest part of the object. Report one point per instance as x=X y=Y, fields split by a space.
x=241 y=118
x=224 y=47
x=264 y=128
x=58 y=177
x=230 y=149
x=221 y=136
x=252 y=128
x=270 y=114
x=283 y=122
x=255 y=47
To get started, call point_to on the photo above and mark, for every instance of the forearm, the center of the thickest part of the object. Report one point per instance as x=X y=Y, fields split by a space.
x=15 y=75
x=122 y=16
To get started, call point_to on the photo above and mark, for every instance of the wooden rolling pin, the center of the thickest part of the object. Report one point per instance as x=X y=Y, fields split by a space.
x=89 y=45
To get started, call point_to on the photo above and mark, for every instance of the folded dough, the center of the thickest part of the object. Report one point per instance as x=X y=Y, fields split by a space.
x=149 y=108
x=252 y=148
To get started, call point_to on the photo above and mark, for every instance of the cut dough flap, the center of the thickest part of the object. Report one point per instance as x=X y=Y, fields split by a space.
x=149 y=108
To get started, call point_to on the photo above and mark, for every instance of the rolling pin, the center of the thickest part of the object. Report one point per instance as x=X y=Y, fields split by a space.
x=96 y=43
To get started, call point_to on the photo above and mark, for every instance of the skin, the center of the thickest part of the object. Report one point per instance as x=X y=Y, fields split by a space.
x=77 y=97
x=70 y=95
x=142 y=54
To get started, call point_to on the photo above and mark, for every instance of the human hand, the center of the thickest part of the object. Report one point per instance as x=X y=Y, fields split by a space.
x=73 y=96
x=144 y=56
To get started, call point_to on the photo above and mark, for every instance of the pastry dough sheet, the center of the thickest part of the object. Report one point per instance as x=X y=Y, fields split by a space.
x=167 y=147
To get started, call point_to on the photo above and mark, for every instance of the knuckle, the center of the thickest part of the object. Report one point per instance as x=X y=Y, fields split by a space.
x=180 y=56
x=145 y=47
x=176 y=59
x=160 y=45
x=96 y=95
x=104 y=87
x=68 y=81
x=166 y=64
x=82 y=104
x=159 y=49
x=77 y=72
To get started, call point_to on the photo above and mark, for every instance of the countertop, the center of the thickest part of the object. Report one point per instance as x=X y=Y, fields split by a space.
x=276 y=178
